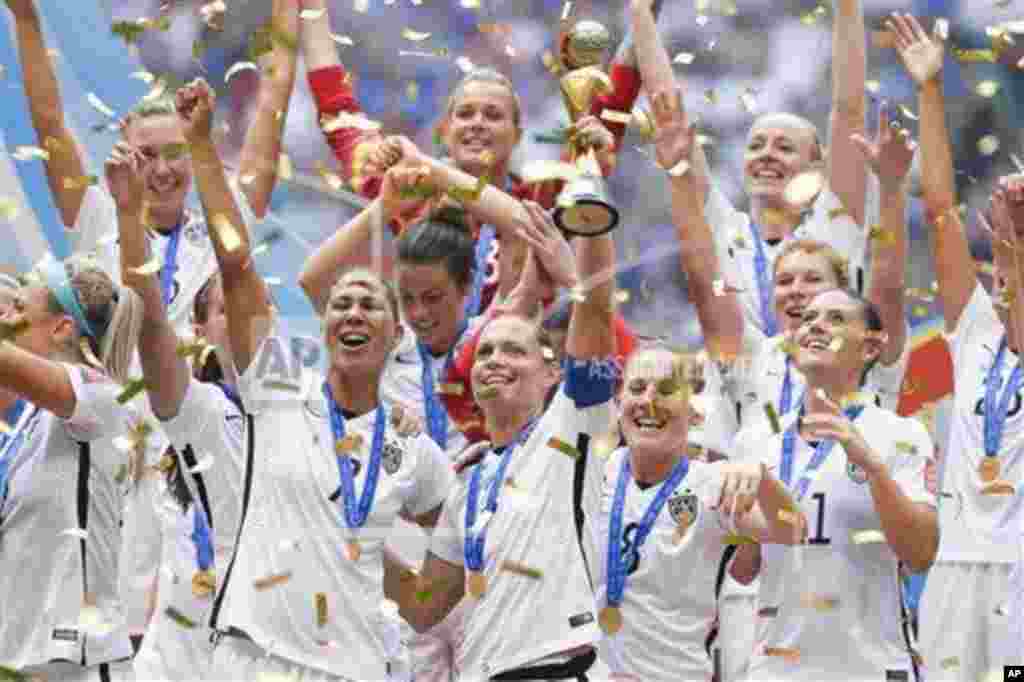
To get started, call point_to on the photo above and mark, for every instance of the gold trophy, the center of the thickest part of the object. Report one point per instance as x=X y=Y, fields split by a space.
x=584 y=207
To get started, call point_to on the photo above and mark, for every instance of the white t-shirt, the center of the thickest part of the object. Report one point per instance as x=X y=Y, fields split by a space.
x=834 y=600
x=521 y=620
x=756 y=377
x=977 y=527
x=62 y=478
x=669 y=605
x=290 y=526
x=736 y=250
x=95 y=230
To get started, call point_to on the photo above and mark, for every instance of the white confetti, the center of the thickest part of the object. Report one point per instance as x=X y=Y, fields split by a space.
x=204 y=464
x=988 y=145
x=98 y=105
x=79 y=533
x=29 y=153
x=312 y=14
x=342 y=40
x=684 y=58
x=238 y=67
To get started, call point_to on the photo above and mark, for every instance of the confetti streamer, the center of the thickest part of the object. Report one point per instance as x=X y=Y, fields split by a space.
x=9 y=209
x=131 y=389
x=179 y=618
x=320 y=601
x=564 y=448
x=229 y=236
x=737 y=539
x=773 y=417
x=272 y=581
x=414 y=36
x=79 y=533
x=29 y=153
x=867 y=537
x=150 y=267
x=521 y=569
x=487 y=392
x=350 y=443
x=312 y=14
x=96 y=103
x=684 y=58
x=819 y=602
x=905 y=447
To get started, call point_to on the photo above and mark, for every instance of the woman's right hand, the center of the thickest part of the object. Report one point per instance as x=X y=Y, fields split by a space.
x=405 y=193
x=922 y=55
x=124 y=177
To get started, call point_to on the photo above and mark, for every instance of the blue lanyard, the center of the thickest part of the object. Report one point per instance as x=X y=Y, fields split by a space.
x=201 y=538
x=616 y=566
x=995 y=413
x=170 y=268
x=473 y=547
x=483 y=250
x=437 y=416
x=764 y=282
x=786 y=393
x=9 y=446
x=821 y=453
x=231 y=394
x=356 y=512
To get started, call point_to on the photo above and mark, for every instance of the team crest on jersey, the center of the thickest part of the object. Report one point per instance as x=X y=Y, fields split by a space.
x=391 y=457
x=195 y=232
x=681 y=504
x=856 y=474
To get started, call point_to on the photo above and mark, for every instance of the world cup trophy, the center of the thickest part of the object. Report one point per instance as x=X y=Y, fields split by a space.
x=584 y=207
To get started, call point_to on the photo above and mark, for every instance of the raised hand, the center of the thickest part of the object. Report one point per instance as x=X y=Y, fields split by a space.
x=22 y=9
x=830 y=423
x=549 y=246
x=1011 y=187
x=405 y=193
x=674 y=137
x=124 y=177
x=740 y=485
x=195 y=104
x=921 y=54
x=890 y=154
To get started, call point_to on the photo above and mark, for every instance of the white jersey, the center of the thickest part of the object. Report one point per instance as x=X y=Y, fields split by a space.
x=669 y=606
x=293 y=535
x=521 y=620
x=977 y=527
x=735 y=246
x=171 y=652
x=59 y=535
x=95 y=231
x=1016 y=603
x=837 y=582
x=757 y=376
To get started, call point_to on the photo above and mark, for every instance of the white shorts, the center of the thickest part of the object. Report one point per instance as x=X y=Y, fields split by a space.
x=737 y=635
x=120 y=671
x=964 y=627
x=240 y=660
x=435 y=652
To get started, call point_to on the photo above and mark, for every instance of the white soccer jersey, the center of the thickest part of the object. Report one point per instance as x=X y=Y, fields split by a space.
x=736 y=250
x=292 y=541
x=95 y=231
x=171 y=651
x=520 y=619
x=59 y=535
x=756 y=377
x=977 y=527
x=669 y=606
x=1016 y=605
x=835 y=602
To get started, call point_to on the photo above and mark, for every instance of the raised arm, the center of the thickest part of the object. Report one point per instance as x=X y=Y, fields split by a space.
x=718 y=308
x=47 y=111
x=259 y=160
x=889 y=156
x=847 y=176
x=245 y=296
x=922 y=56
x=592 y=322
x=166 y=374
x=656 y=71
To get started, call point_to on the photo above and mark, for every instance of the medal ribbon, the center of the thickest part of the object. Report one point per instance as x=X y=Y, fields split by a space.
x=616 y=566
x=764 y=282
x=786 y=393
x=201 y=538
x=437 y=416
x=10 y=443
x=995 y=413
x=483 y=249
x=473 y=547
x=821 y=453
x=170 y=267
x=355 y=513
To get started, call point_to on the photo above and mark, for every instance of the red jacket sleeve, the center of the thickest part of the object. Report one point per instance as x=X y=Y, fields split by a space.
x=332 y=91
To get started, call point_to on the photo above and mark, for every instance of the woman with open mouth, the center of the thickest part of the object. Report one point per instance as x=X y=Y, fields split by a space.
x=70 y=335
x=856 y=472
x=327 y=475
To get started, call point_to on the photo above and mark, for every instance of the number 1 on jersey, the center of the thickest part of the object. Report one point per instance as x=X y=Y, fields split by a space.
x=818 y=538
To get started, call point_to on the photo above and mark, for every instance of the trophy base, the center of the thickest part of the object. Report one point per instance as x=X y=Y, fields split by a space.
x=587 y=218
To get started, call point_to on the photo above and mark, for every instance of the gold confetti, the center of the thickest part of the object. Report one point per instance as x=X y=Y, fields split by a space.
x=907 y=113
x=320 y=601
x=8 y=209
x=737 y=539
x=130 y=390
x=450 y=389
x=804 y=187
x=987 y=89
x=349 y=443
x=487 y=392
x=819 y=602
x=96 y=103
x=789 y=516
x=229 y=236
x=873 y=86
x=974 y=56
x=790 y=654
x=684 y=58
x=412 y=91
x=988 y=145
x=564 y=448
x=710 y=97
x=905 y=447
x=284 y=167
x=470 y=4
x=812 y=17
x=867 y=537
x=345 y=120
x=521 y=569
x=271 y=581
x=775 y=216
x=414 y=36
x=28 y=153
x=150 y=267
x=773 y=417
x=81 y=182
x=179 y=618
x=950 y=663
x=204 y=583
x=312 y=14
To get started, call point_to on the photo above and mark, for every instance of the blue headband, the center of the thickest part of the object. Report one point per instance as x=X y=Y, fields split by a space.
x=60 y=286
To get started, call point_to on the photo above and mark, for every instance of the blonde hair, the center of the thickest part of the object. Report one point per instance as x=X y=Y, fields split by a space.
x=115 y=310
x=837 y=263
x=485 y=75
x=361 y=273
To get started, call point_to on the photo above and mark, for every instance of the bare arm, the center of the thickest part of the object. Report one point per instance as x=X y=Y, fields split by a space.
x=38 y=380
x=318 y=48
x=263 y=141
x=166 y=374
x=591 y=323
x=846 y=175
x=922 y=57
x=47 y=111
x=439 y=588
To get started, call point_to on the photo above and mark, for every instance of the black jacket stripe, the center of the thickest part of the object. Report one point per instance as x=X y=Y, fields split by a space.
x=905 y=626
x=723 y=566
x=579 y=478
x=250 y=461
x=189 y=456
x=82 y=501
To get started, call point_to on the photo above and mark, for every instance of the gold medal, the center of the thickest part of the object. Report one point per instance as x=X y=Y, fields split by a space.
x=477 y=584
x=352 y=549
x=988 y=469
x=685 y=519
x=610 y=619
x=998 y=487
x=204 y=583
x=349 y=443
